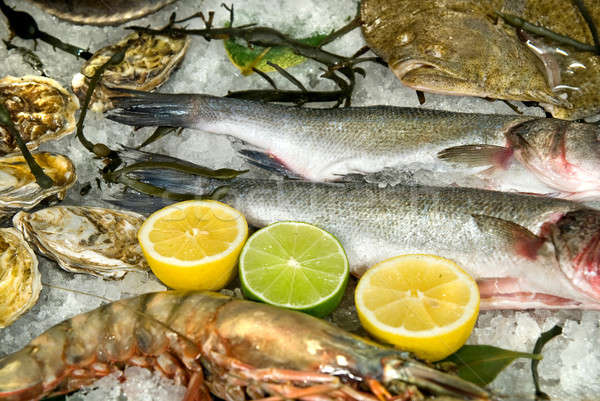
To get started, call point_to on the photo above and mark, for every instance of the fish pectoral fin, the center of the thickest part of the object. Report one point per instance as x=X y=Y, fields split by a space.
x=267 y=162
x=477 y=155
x=520 y=239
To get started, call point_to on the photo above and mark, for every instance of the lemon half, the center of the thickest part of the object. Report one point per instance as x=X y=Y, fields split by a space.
x=194 y=245
x=420 y=303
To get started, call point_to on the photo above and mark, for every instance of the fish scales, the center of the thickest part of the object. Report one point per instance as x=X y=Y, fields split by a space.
x=524 y=251
x=328 y=144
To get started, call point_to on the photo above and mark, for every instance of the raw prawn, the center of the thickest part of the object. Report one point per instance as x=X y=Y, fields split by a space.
x=232 y=348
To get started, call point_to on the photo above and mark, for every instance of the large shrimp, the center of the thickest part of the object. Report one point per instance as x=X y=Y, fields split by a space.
x=232 y=348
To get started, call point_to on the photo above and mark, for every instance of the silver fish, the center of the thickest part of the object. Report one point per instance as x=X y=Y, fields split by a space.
x=524 y=251
x=327 y=144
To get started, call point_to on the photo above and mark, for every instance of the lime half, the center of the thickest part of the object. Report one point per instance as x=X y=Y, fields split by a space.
x=294 y=265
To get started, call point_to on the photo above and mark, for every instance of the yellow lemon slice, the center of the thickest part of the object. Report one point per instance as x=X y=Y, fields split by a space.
x=420 y=303
x=194 y=245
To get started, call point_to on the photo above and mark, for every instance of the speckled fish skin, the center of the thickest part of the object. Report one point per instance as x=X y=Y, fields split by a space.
x=456 y=47
x=485 y=232
x=327 y=144
x=105 y=12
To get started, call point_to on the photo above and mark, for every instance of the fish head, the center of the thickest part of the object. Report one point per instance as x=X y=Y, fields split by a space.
x=562 y=154
x=576 y=238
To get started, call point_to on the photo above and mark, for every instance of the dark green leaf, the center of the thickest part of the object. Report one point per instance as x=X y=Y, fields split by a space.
x=537 y=349
x=481 y=364
x=257 y=57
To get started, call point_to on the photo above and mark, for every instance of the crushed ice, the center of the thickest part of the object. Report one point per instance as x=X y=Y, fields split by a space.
x=572 y=362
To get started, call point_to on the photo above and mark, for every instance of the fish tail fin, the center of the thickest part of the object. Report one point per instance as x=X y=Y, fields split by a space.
x=172 y=181
x=144 y=109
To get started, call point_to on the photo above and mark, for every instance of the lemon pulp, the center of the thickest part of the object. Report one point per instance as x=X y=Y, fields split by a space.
x=421 y=303
x=194 y=244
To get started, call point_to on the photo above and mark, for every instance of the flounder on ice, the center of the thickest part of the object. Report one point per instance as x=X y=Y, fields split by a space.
x=20 y=281
x=40 y=108
x=105 y=12
x=148 y=63
x=460 y=47
x=97 y=241
x=18 y=188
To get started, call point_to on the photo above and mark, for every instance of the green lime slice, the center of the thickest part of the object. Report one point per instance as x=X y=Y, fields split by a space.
x=294 y=265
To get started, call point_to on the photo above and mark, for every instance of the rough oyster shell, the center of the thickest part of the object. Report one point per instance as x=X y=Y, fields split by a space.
x=106 y=12
x=18 y=188
x=148 y=63
x=40 y=108
x=20 y=279
x=101 y=242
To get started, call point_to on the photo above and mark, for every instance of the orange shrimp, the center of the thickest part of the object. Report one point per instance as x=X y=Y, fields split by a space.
x=232 y=348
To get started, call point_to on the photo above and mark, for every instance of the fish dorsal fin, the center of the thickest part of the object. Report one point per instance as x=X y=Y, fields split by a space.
x=477 y=155
x=524 y=242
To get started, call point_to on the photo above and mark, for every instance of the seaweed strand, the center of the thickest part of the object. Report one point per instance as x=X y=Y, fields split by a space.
x=537 y=349
x=40 y=177
x=589 y=21
x=519 y=22
x=98 y=149
x=24 y=26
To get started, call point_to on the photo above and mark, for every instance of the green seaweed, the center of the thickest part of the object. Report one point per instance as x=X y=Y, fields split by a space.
x=257 y=57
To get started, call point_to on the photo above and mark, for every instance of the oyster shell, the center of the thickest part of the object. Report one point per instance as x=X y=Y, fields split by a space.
x=18 y=188
x=20 y=279
x=101 y=242
x=40 y=108
x=148 y=63
x=106 y=12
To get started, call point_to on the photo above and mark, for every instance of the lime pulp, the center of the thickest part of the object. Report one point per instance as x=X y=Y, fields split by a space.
x=294 y=265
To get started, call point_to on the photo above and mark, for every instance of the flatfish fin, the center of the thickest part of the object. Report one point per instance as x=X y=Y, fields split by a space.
x=477 y=155
x=524 y=242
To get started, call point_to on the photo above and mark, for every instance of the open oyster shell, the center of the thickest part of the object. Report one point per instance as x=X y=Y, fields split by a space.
x=18 y=188
x=20 y=280
x=148 y=63
x=40 y=108
x=101 y=242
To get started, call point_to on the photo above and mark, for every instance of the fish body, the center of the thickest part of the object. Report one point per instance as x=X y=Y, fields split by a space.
x=462 y=47
x=524 y=251
x=233 y=348
x=328 y=144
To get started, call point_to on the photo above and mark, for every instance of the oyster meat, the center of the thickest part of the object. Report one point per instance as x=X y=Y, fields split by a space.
x=460 y=47
x=20 y=280
x=40 y=108
x=105 y=12
x=148 y=63
x=18 y=188
x=101 y=242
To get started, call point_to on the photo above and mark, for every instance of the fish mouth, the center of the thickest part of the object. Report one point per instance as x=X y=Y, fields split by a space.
x=428 y=76
x=576 y=237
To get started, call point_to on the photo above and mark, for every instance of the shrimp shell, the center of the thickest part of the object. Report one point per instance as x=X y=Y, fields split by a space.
x=233 y=348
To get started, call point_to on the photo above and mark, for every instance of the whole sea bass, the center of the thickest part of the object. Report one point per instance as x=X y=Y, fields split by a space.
x=328 y=144
x=524 y=251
